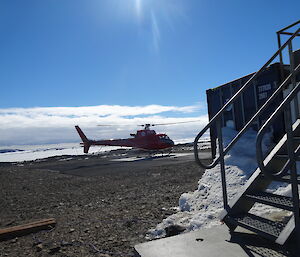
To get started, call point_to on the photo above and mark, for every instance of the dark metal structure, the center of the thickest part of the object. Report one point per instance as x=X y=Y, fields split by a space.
x=279 y=107
x=239 y=113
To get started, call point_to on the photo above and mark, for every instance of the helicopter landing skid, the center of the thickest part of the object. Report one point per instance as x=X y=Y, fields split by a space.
x=164 y=153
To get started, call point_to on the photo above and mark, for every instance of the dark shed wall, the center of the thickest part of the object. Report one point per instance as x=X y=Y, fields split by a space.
x=247 y=105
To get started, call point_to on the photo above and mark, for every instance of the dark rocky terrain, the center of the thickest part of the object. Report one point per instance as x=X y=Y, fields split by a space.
x=103 y=206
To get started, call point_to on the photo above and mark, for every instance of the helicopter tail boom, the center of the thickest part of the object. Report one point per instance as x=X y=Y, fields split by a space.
x=86 y=142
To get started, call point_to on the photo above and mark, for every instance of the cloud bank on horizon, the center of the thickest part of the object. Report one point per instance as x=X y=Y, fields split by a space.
x=43 y=125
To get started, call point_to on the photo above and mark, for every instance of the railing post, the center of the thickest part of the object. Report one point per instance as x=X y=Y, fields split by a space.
x=293 y=169
x=222 y=164
x=293 y=79
x=280 y=58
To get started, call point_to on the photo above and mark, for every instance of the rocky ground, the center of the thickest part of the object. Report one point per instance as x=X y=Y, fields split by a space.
x=103 y=206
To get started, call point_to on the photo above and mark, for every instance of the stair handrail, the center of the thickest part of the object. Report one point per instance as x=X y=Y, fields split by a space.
x=290 y=164
x=232 y=100
x=285 y=105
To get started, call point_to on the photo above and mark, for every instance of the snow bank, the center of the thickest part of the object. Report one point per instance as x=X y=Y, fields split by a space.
x=201 y=208
x=20 y=153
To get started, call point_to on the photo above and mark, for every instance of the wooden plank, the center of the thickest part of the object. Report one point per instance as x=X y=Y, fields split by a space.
x=21 y=230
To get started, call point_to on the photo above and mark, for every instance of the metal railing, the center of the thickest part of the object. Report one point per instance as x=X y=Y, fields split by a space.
x=286 y=108
x=216 y=120
x=292 y=150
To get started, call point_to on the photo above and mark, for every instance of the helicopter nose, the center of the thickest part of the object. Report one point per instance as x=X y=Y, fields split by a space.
x=169 y=142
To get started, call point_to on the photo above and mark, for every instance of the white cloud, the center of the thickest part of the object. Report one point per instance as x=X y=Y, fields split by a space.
x=100 y=110
x=56 y=124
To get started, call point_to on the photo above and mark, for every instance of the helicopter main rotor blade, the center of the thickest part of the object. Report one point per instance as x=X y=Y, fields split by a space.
x=111 y=125
x=174 y=123
x=144 y=125
x=148 y=124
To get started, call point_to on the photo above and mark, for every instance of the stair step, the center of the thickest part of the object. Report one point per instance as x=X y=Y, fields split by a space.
x=277 y=201
x=281 y=156
x=264 y=227
x=285 y=157
x=287 y=178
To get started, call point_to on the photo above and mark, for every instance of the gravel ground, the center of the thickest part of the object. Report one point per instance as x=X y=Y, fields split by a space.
x=102 y=207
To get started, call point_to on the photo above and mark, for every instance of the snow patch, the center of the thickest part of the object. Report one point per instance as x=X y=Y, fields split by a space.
x=21 y=153
x=201 y=208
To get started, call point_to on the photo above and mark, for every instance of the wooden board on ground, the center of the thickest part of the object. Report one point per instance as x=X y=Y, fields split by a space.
x=21 y=230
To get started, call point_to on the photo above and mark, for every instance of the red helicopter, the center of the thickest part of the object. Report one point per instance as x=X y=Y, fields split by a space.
x=146 y=139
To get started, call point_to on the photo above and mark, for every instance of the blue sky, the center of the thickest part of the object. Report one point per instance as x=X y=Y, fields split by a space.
x=131 y=52
x=76 y=53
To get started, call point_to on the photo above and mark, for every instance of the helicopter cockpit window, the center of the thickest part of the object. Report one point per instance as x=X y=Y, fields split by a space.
x=163 y=137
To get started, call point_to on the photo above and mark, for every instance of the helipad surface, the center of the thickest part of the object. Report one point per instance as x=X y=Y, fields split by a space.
x=213 y=242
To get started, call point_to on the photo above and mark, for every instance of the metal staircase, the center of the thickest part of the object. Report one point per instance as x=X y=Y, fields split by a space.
x=278 y=164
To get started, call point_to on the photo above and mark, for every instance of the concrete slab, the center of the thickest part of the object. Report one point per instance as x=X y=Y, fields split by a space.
x=213 y=242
